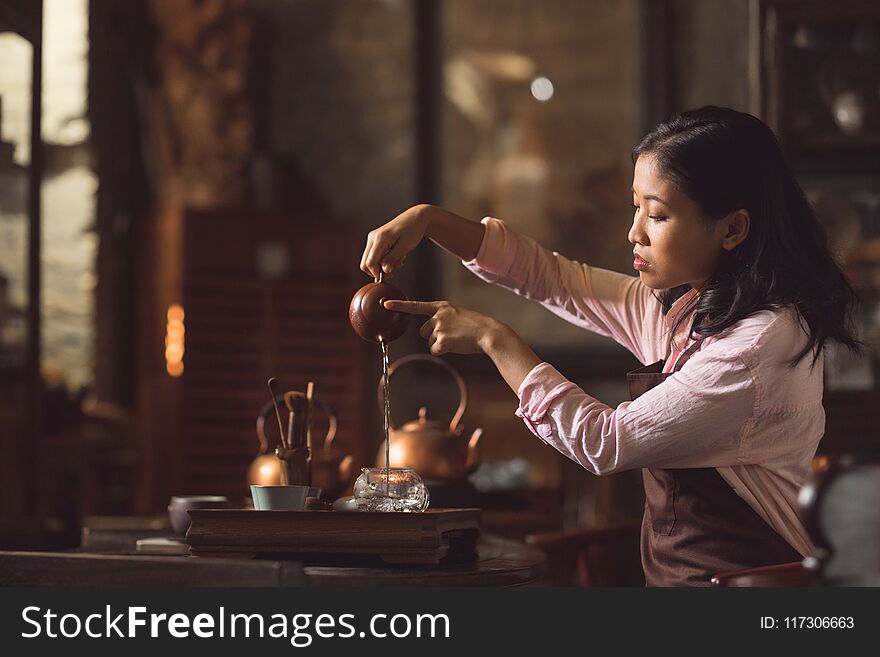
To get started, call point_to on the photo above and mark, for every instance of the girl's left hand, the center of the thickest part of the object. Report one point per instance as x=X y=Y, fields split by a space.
x=457 y=330
x=450 y=328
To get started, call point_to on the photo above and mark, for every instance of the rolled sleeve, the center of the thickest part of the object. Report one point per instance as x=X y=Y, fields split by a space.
x=537 y=393
x=541 y=387
x=698 y=417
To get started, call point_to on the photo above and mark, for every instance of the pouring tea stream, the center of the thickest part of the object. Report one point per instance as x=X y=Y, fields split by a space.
x=375 y=323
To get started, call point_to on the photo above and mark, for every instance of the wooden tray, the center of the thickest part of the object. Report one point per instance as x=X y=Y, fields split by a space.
x=395 y=538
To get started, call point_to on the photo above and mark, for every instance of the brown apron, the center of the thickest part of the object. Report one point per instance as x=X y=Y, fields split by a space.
x=694 y=524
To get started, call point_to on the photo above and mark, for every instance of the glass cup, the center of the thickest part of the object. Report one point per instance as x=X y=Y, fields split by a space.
x=389 y=490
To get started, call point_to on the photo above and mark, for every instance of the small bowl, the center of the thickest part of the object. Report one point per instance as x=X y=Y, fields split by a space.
x=181 y=504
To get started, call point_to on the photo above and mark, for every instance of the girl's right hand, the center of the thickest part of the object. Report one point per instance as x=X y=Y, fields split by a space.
x=388 y=245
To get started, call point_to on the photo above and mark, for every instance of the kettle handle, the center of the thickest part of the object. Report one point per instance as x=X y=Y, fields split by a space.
x=269 y=410
x=462 y=388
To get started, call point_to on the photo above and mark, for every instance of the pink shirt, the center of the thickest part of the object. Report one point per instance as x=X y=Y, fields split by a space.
x=734 y=405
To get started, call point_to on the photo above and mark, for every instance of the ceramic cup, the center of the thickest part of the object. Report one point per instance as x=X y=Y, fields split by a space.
x=180 y=505
x=279 y=498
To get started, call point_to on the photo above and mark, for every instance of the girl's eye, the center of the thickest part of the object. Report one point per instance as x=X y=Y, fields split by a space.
x=655 y=217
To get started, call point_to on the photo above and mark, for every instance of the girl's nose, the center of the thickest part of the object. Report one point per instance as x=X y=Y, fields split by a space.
x=636 y=232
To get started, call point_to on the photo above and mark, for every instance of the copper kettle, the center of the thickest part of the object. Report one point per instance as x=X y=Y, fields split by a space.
x=330 y=471
x=434 y=450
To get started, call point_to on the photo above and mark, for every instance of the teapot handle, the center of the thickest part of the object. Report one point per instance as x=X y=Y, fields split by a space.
x=462 y=388
x=269 y=411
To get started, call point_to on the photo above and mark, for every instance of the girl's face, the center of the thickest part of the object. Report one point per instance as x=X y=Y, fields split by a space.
x=673 y=245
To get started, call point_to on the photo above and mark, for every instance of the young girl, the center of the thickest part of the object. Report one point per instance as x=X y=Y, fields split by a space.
x=735 y=298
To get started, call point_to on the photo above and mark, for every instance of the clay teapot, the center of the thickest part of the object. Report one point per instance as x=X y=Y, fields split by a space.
x=331 y=472
x=370 y=319
x=431 y=448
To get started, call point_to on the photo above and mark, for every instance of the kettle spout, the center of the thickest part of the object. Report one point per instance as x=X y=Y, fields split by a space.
x=473 y=452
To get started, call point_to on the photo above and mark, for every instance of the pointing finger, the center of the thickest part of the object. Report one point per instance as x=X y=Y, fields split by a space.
x=413 y=307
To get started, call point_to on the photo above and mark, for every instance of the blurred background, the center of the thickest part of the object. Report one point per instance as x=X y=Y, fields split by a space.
x=186 y=187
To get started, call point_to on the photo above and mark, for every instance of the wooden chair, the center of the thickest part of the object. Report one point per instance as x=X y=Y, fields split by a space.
x=784 y=574
x=592 y=556
x=841 y=510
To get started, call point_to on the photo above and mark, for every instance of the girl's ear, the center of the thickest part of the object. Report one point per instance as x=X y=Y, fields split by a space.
x=736 y=227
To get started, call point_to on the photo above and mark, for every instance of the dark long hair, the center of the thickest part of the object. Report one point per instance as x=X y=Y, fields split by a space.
x=726 y=160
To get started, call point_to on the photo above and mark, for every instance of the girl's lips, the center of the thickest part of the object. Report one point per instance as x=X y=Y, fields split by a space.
x=639 y=264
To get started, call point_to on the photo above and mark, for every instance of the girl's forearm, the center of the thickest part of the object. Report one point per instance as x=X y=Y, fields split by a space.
x=511 y=355
x=461 y=237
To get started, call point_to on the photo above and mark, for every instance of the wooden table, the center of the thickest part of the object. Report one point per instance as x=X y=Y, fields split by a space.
x=501 y=562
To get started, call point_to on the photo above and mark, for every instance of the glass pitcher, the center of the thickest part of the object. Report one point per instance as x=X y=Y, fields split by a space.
x=391 y=489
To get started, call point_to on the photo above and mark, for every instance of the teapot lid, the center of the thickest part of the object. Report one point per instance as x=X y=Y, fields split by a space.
x=424 y=425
